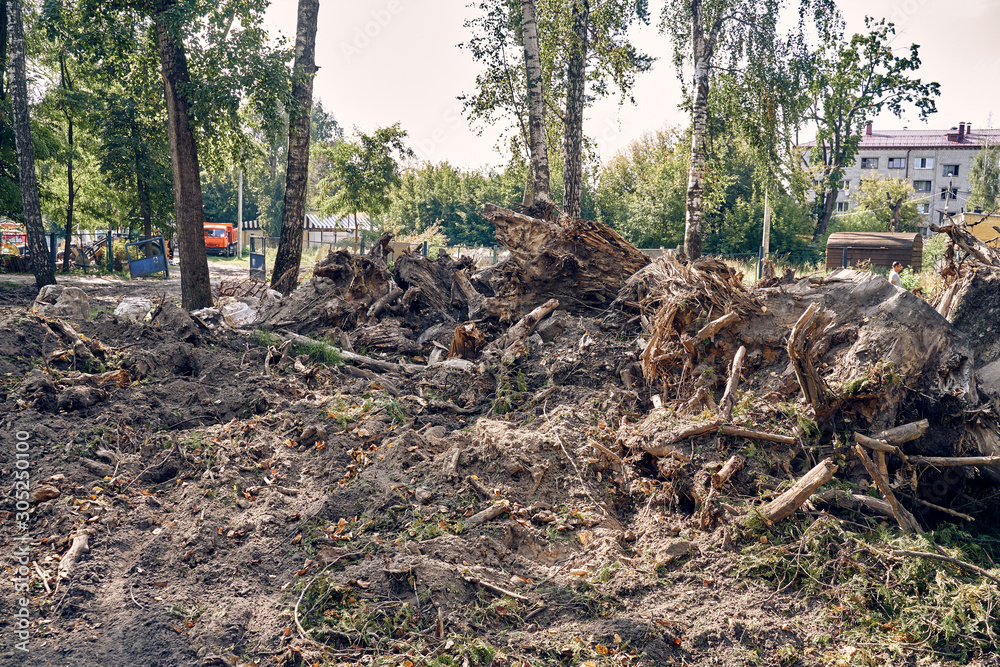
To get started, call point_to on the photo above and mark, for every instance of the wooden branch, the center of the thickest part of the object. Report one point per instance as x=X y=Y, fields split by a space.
x=77 y=549
x=715 y=326
x=493 y=588
x=488 y=514
x=903 y=518
x=946 y=510
x=527 y=324
x=880 y=446
x=385 y=300
x=729 y=396
x=728 y=469
x=666 y=449
x=956 y=460
x=799 y=352
x=904 y=433
x=740 y=432
x=358 y=359
x=947 y=559
x=853 y=501
x=789 y=501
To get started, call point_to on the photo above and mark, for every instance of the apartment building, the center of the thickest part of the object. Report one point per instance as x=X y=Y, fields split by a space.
x=936 y=162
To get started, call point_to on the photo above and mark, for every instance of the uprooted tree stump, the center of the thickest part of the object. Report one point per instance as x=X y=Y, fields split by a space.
x=581 y=263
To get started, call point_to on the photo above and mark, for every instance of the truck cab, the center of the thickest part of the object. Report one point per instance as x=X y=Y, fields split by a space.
x=220 y=239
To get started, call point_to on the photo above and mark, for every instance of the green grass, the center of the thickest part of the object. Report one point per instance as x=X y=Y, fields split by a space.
x=888 y=603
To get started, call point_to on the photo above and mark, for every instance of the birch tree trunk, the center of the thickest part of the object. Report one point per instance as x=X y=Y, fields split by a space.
x=576 y=76
x=41 y=266
x=703 y=47
x=196 y=291
x=64 y=76
x=536 y=103
x=286 y=264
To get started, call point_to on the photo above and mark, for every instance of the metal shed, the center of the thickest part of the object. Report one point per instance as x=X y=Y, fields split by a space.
x=881 y=249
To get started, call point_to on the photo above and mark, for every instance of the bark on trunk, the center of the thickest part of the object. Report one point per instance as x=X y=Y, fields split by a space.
x=286 y=263
x=41 y=265
x=196 y=291
x=829 y=204
x=703 y=48
x=70 y=195
x=576 y=76
x=3 y=54
x=536 y=103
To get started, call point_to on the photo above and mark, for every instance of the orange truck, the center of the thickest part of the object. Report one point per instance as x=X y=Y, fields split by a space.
x=220 y=239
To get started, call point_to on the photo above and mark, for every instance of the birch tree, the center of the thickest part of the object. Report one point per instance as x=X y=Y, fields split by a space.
x=706 y=32
x=41 y=265
x=286 y=263
x=538 y=149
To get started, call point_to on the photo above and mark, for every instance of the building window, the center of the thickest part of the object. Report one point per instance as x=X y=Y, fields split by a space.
x=844 y=185
x=923 y=163
x=842 y=206
x=897 y=163
x=945 y=195
x=950 y=170
x=942 y=216
x=922 y=186
x=923 y=207
x=869 y=163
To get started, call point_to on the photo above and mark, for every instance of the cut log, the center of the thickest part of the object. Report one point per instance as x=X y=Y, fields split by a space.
x=729 y=396
x=581 y=263
x=789 y=501
x=903 y=518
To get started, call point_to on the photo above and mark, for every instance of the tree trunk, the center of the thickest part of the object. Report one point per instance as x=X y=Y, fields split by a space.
x=576 y=76
x=3 y=56
x=829 y=205
x=702 y=48
x=286 y=264
x=536 y=103
x=196 y=290
x=41 y=266
x=70 y=195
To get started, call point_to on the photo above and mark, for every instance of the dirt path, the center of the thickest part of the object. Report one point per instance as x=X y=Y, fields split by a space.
x=106 y=291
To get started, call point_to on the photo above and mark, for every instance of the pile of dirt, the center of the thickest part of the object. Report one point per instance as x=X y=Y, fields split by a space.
x=454 y=470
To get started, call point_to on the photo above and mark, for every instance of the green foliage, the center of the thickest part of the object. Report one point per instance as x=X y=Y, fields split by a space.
x=886 y=600
x=641 y=190
x=882 y=196
x=984 y=179
x=440 y=194
x=362 y=172
x=851 y=81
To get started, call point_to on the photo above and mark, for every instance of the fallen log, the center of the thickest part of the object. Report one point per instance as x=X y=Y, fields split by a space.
x=789 y=501
x=905 y=520
x=740 y=432
x=510 y=345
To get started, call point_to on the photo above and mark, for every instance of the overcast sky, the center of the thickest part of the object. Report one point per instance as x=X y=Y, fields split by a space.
x=388 y=61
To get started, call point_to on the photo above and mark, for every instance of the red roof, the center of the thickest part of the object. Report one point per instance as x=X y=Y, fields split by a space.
x=926 y=139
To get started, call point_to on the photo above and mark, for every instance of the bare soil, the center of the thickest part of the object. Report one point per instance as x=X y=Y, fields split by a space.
x=325 y=515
